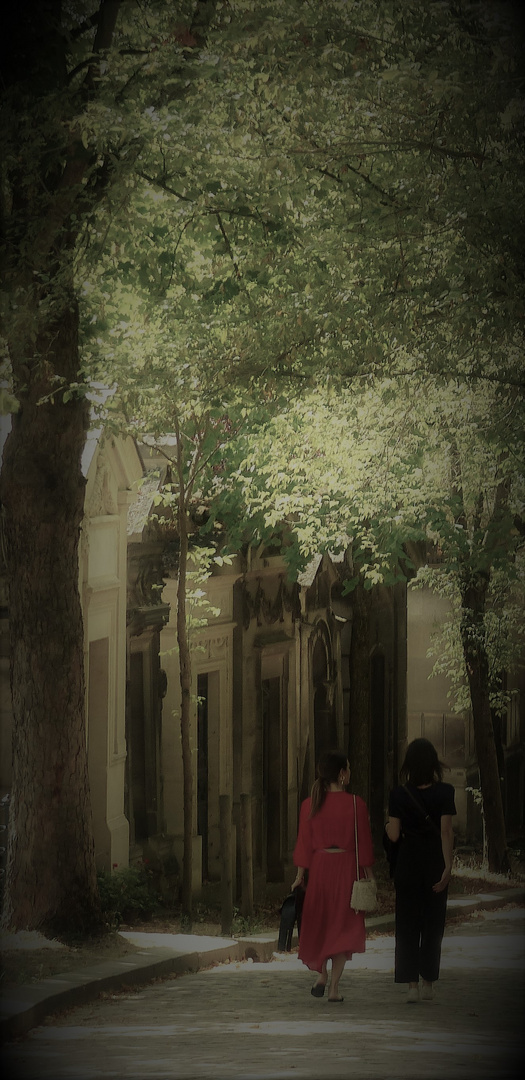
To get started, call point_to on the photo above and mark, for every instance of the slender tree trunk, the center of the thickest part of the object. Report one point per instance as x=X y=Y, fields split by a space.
x=225 y=814
x=473 y=596
x=51 y=878
x=185 y=713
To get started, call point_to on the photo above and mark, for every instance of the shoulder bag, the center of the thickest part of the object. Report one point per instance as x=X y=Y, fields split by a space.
x=364 y=890
x=422 y=810
x=391 y=847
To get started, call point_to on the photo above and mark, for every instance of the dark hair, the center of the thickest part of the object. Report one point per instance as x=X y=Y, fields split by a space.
x=421 y=764
x=328 y=768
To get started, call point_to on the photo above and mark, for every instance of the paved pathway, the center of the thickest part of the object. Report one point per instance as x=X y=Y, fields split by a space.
x=249 y=1021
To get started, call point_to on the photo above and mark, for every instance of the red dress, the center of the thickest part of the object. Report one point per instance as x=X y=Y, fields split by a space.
x=329 y=925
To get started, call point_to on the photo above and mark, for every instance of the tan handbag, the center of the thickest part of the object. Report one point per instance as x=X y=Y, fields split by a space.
x=364 y=890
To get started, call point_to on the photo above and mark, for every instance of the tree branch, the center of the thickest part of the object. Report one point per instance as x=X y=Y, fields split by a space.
x=88 y=24
x=165 y=187
x=107 y=19
x=228 y=246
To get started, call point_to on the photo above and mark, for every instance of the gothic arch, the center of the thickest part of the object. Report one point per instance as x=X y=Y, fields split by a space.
x=323 y=690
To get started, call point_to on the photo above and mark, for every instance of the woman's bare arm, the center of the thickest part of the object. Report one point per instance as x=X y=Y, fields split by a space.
x=393 y=829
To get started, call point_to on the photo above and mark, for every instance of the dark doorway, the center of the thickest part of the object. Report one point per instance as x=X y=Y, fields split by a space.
x=377 y=742
x=202 y=769
x=272 y=779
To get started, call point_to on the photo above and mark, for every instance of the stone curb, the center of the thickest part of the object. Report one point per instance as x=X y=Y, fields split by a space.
x=459 y=905
x=39 y=1000
x=465 y=905
x=34 y=1003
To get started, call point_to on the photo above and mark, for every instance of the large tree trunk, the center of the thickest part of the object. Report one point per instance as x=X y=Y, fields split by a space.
x=473 y=598
x=51 y=878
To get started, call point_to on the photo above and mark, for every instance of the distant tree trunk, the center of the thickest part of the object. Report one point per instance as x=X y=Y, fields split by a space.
x=185 y=710
x=473 y=600
x=51 y=878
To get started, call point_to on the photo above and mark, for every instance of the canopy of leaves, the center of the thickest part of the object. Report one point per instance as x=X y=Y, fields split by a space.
x=262 y=198
x=398 y=474
x=319 y=189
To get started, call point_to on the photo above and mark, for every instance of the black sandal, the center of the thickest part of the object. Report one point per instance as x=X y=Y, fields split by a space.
x=318 y=990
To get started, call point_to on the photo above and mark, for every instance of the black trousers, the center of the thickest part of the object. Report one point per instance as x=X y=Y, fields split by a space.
x=420 y=912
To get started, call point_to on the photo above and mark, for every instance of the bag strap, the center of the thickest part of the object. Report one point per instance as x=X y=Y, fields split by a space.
x=356 y=847
x=422 y=810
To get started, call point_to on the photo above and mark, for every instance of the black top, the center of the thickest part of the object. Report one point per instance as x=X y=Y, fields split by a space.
x=434 y=801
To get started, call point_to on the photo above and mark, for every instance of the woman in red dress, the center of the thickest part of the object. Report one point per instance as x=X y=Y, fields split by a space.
x=330 y=929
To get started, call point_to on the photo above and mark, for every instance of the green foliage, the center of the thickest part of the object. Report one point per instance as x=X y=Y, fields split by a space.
x=127 y=894
x=476 y=795
x=285 y=191
x=502 y=634
x=334 y=469
x=381 y=470
x=245 y=924
x=274 y=189
x=8 y=403
x=317 y=200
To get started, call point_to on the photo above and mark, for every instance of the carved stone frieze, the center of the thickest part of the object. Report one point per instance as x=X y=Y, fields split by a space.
x=145 y=584
x=102 y=501
x=212 y=648
x=257 y=605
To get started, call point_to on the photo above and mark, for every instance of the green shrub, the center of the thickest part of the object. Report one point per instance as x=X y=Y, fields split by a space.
x=246 y=924
x=127 y=894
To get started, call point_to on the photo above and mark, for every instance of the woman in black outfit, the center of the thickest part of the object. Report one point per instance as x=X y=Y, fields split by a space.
x=420 y=815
